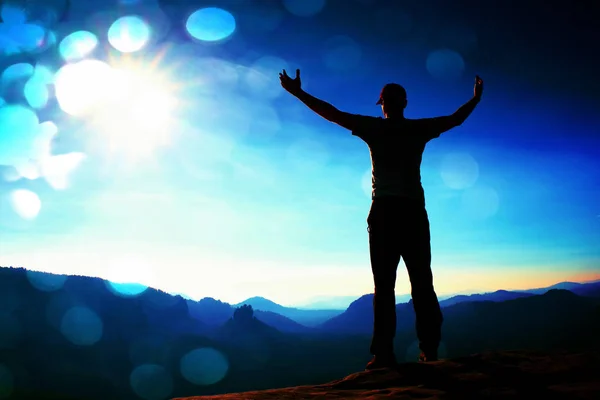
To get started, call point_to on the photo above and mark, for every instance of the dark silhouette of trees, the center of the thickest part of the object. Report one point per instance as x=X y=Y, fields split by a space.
x=243 y=314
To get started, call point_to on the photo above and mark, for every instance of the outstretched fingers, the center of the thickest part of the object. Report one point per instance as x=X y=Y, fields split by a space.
x=283 y=76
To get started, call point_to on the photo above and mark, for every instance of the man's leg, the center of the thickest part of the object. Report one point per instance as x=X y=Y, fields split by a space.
x=416 y=253
x=385 y=256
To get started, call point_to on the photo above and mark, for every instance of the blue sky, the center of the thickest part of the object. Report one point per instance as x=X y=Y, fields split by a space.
x=189 y=169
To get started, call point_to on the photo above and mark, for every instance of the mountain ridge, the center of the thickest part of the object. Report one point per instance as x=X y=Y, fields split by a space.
x=94 y=337
x=308 y=318
x=211 y=311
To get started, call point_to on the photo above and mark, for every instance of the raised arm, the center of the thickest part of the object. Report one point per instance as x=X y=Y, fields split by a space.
x=324 y=109
x=439 y=125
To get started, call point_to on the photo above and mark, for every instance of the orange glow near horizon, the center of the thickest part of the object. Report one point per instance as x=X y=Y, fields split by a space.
x=232 y=282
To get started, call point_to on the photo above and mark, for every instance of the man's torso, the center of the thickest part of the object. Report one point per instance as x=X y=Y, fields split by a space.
x=396 y=148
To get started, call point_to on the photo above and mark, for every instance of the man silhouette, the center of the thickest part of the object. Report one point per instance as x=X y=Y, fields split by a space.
x=398 y=223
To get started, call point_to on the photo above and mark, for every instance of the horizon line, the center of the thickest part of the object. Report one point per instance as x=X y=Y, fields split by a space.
x=356 y=297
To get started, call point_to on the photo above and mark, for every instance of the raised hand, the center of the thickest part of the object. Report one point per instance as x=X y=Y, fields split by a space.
x=294 y=86
x=478 y=89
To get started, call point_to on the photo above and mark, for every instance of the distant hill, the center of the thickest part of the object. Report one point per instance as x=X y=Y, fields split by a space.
x=358 y=318
x=586 y=289
x=557 y=318
x=478 y=324
x=215 y=313
x=500 y=295
x=340 y=302
x=343 y=302
x=308 y=318
x=247 y=325
x=281 y=322
x=589 y=289
x=260 y=303
x=560 y=285
x=210 y=311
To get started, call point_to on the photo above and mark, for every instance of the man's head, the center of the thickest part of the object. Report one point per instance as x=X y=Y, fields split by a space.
x=392 y=99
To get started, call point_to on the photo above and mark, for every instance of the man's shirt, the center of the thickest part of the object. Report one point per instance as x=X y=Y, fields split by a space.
x=396 y=147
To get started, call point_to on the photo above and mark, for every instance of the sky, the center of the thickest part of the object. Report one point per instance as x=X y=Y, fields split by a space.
x=150 y=141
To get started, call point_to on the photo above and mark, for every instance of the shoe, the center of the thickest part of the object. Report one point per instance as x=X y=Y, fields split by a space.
x=386 y=361
x=428 y=357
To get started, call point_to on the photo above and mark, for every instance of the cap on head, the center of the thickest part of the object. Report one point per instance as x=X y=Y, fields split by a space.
x=392 y=91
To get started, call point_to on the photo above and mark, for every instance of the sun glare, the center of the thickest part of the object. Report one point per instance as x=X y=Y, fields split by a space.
x=139 y=118
x=127 y=103
x=82 y=86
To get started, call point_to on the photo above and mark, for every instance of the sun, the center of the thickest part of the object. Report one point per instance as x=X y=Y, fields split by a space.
x=129 y=106
x=141 y=116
